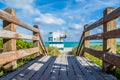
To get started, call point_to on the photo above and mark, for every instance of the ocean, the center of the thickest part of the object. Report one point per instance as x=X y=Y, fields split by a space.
x=75 y=44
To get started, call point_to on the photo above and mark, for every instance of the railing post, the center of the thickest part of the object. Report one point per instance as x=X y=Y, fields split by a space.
x=36 y=42
x=9 y=44
x=85 y=43
x=109 y=44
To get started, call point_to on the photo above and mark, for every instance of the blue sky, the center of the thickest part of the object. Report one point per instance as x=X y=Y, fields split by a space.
x=60 y=15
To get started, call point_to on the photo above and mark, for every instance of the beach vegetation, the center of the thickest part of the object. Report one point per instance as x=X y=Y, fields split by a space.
x=53 y=51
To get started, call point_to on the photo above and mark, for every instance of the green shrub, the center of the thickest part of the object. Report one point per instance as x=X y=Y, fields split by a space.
x=73 y=52
x=53 y=51
x=21 y=44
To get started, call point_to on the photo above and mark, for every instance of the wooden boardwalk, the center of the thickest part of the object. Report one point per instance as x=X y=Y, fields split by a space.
x=59 y=68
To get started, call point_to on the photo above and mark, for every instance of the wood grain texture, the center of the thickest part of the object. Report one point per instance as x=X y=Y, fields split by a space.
x=15 y=35
x=10 y=56
x=13 y=19
x=60 y=68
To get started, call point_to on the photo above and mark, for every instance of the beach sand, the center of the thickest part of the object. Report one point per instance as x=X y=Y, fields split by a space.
x=66 y=51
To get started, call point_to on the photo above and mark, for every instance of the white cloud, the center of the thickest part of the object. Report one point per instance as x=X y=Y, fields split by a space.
x=27 y=8
x=76 y=26
x=49 y=19
x=25 y=5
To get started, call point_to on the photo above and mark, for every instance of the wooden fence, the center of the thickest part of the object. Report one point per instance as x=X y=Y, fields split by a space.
x=9 y=35
x=109 y=35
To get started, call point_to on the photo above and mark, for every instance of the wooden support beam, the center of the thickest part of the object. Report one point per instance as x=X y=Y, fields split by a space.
x=42 y=43
x=9 y=44
x=85 y=43
x=109 y=43
x=36 y=42
x=80 y=42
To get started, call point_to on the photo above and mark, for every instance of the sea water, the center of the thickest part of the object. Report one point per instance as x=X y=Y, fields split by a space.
x=75 y=44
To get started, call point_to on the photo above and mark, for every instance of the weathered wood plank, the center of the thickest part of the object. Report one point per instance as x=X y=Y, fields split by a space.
x=31 y=70
x=93 y=75
x=42 y=44
x=111 y=58
x=63 y=69
x=78 y=47
x=87 y=73
x=78 y=72
x=55 y=69
x=70 y=70
x=108 y=35
x=7 y=57
x=15 y=35
x=40 y=72
x=113 y=15
x=13 y=74
x=98 y=70
x=96 y=53
x=78 y=68
x=47 y=73
x=94 y=37
x=6 y=16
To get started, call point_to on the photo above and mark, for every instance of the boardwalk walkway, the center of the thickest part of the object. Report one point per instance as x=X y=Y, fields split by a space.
x=63 y=67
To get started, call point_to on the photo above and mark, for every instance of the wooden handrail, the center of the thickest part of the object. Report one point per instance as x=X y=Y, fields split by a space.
x=10 y=56
x=110 y=33
x=111 y=58
x=9 y=36
x=8 y=17
x=113 y=15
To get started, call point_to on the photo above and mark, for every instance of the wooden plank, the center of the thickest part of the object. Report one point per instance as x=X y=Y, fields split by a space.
x=88 y=70
x=42 y=44
x=15 y=35
x=106 y=56
x=6 y=16
x=99 y=71
x=7 y=57
x=47 y=73
x=13 y=74
x=81 y=39
x=78 y=72
x=94 y=37
x=70 y=70
x=111 y=58
x=31 y=70
x=96 y=53
x=111 y=16
x=110 y=34
x=55 y=69
x=80 y=46
x=63 y=69
x=84 y=69
x=40 y=72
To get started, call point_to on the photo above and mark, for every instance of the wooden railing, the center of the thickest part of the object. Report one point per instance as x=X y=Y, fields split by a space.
x=9 y=35
x=109 y=35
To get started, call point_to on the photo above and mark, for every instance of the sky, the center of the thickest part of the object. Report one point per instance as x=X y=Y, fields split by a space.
x=60 y=15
